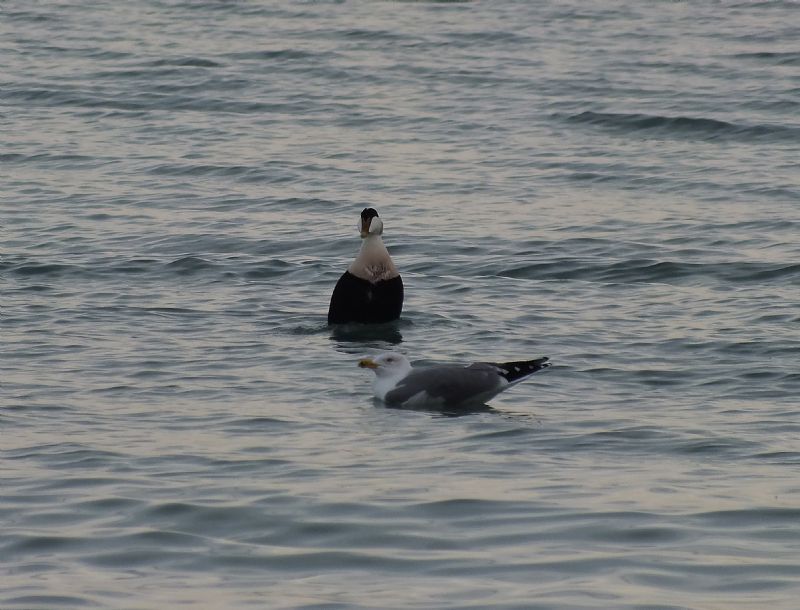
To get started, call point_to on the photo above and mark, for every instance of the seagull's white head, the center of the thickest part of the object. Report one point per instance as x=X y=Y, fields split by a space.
x=369 y=223
x=389 y=364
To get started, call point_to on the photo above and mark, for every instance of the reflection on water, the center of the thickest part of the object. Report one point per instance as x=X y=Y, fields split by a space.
x=443 y=411
x=367 y=336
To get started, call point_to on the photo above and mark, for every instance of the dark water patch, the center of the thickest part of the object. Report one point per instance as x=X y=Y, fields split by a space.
x=309 y=329
x=501 y=435
x=777 y=58
x=790 y=458
x=157 y=539
x=760 y=224
x=37 y=288
x=270 y=172
x=29 y=602
x=748 y=518
x=640 y=535
x=389 y=332
x=718 y=446
x=190 y=8
x=489 y=37
x=106 y=505
x=65 y=96
x=369 y=34
x=571 y=565
x=757 y=272
x=20 y=544
x=150 y=373
x=255 y=424
x=50 y=159
x=627 y=439
x=148 y=101
x=779 y=191
x=684 y=68
x=449 y=412
x=685 y=127
x=169 y=510
x=140 y=73
x=189 y=265
x=779 y=104
x=43 y=16
x=226 y=521
x=50 y=269
x=273 y=55
x=192 y=62
x=128 y=559
x=26 y=405
x=458 y=508
x=361 y=535
x=269 y=269
x=186 y=86
x=65 y=452
x=654 y=271
x=85 y=482
x=314 y=562
x=239 y=467
x=656 y=378
x=136 y=266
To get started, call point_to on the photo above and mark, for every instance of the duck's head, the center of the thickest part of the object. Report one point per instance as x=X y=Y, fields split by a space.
x=370 y=223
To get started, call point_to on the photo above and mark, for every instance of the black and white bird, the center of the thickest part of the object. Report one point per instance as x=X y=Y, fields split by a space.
x=371 y=289
x=398 y=383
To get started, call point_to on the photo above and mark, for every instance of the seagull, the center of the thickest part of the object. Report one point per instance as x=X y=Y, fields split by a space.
x=371 y=290
x=398 y=383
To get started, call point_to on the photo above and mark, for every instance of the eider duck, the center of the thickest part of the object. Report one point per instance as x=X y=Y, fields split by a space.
x=371 y=290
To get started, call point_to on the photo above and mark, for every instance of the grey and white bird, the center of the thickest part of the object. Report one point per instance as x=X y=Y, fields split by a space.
x=398 y=383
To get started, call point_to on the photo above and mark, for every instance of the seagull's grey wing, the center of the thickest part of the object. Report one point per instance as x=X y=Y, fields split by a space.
x=450 y=385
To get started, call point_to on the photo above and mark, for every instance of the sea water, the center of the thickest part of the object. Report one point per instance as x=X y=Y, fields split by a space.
x=613 y=185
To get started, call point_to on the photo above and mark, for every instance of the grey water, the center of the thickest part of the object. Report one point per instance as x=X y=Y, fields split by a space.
x=612 y=184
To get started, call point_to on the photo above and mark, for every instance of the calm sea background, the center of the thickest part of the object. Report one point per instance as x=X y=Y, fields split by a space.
x=612 y=184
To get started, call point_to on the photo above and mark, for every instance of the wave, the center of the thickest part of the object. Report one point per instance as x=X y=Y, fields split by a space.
x=787 y=58
x=192 y=62
x=143 y=102
x=654 y=271
x=265 y=268
x=275 y=55
x=45 y=273
x=682 y=126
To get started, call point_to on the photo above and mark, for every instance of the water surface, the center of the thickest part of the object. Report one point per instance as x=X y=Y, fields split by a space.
x=612 y=186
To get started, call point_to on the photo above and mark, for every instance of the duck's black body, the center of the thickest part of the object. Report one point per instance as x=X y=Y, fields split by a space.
x=358 y=300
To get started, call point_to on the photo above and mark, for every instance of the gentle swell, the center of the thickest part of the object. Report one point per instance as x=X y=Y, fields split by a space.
x=685 y=127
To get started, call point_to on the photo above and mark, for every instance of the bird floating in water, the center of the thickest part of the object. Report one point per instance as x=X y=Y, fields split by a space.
x=398 y=383
x=371 y=289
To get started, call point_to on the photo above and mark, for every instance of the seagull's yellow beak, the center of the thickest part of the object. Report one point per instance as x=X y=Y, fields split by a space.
x=367 y=363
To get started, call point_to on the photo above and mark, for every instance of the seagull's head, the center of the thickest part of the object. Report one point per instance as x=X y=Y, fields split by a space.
x=390 y=364
x=369 y=223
